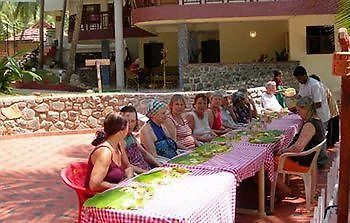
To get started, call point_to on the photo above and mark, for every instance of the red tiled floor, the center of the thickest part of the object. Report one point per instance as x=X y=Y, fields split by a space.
x=30 y=184
x=32 y=191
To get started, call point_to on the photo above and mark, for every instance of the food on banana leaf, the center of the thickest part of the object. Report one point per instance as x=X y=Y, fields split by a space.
x=124 y=198
x=161 y=176
x=190 y=159
x=265 y=136
x=201 y=154
x=220 y=139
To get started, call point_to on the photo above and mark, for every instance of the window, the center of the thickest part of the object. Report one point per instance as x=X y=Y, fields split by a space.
x=320 y=39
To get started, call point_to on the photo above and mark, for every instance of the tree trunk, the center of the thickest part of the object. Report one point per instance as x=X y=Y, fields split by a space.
x=60 y=56
x=74 y=42
x=41 y=34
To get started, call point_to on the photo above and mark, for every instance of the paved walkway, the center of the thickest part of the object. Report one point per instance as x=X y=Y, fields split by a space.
x=32 y=190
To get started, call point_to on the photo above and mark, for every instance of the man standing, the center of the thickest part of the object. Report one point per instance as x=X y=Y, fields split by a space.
x=309 y=87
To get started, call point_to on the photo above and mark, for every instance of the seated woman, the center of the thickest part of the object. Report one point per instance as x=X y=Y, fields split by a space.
x=154 y=134
x=215 y=109
x=249 y=102
x=200 y=119
x=268 y=99
x=311 y=134
x=240 y=108
x=178 y=125
x=228 y=116
x=108 y=163
x=141 y=160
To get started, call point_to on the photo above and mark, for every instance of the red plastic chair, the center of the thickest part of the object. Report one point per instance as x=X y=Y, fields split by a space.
x=74 y=177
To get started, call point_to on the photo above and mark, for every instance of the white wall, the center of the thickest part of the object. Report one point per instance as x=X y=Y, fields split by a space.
x=237 y=46
x=320 y=64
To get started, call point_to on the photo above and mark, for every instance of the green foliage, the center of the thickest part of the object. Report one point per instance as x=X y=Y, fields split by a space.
x=343 y=15
x=15 y=17
x=281 y=56
x=11 y=72
x=46 y=77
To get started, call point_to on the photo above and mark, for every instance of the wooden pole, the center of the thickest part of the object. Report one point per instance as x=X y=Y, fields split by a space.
x=99 y=84
x=344 y=166
x=341 y=67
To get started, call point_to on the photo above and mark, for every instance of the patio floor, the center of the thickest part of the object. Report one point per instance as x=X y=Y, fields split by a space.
x=32 y=191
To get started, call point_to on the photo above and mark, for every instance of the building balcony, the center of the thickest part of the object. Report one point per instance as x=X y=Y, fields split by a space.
x=149 y=3
x=100 y=26
x=156 y=12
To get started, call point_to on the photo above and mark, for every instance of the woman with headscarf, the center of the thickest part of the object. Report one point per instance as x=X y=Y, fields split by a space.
x=154 y=135
x=311 y=134
x=108 y=163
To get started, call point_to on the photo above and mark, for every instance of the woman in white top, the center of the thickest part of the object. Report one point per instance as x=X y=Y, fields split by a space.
x=200 y=119
x=268 y=99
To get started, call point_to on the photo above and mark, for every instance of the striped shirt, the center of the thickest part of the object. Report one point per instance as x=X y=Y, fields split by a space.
x=183 y=133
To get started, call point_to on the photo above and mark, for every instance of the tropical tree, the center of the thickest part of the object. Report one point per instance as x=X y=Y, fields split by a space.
x=15 y=17
x=74 y=42
x=63 y=17
x=343 y=16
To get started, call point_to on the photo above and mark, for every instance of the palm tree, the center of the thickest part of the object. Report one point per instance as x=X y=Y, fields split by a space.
x=343 y=16
x=17 y=16
x=74 y=42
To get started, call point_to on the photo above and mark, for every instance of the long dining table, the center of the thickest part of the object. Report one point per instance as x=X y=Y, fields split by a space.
x=202 y=196
x=208 y=193
x=245 y=159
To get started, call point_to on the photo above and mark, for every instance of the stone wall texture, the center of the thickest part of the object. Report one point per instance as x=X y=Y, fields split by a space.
x=36 y=114
x=211 y=76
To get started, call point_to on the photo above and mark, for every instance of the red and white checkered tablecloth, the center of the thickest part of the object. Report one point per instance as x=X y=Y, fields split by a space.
x=246 y=158
x=203 y=196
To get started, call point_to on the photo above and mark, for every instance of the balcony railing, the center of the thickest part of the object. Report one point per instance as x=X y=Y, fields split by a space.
x=148 y=3
x=93 y=21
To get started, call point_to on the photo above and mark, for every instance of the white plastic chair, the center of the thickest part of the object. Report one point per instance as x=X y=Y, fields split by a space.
x=309 y=178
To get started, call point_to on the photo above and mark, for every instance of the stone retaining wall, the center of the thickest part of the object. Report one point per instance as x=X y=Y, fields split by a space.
x=211 y=76
x=35 y=114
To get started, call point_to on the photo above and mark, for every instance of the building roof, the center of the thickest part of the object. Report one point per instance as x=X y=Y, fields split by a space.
x=31 y=34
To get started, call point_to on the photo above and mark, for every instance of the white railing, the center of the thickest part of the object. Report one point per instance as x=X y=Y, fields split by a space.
x=329 y=197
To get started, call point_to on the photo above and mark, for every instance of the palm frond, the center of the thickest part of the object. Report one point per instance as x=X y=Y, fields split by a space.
x=343 y=15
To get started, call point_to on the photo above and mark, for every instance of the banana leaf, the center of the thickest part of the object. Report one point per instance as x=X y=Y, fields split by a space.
x=151 y=177
x=126 y=198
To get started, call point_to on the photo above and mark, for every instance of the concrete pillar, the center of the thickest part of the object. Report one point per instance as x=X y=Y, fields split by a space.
x=183 y=48
x=105 y=69
x=119 y=49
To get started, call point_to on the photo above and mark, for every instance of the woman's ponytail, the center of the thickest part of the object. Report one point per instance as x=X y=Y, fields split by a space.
x=100 y=137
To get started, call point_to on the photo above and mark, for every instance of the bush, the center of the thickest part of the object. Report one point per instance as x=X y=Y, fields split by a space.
x=46 y=77
x=10 y=72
